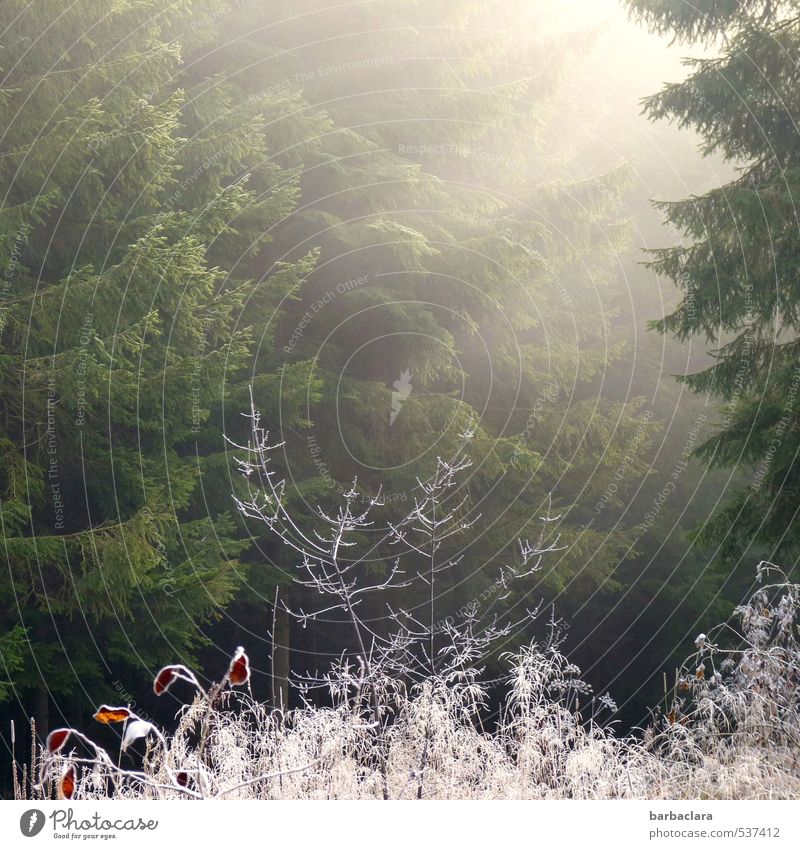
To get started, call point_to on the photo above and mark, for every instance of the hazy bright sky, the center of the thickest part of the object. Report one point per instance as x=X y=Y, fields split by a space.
x=626 y=64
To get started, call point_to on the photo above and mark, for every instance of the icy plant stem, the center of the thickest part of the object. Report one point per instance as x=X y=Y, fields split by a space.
x=431 y=576
x=423 y=764
x=205 y=728
x=356 y=625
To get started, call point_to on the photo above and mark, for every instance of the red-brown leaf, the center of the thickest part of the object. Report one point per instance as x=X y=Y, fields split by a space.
x=239 y=671
x=56 y=739
x=66 y=784
x=164 y=679
x=182 y=778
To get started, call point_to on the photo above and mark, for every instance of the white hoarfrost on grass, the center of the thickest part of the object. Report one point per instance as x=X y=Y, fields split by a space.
x=731 y=731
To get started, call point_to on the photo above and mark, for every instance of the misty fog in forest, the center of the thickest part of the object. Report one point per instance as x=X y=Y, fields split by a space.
x=392 y=341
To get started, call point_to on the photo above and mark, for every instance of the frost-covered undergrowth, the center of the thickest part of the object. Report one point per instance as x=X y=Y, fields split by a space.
x=732 y=730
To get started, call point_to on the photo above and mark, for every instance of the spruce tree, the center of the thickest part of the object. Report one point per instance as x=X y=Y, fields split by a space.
x=133 y=206
x=737 y=268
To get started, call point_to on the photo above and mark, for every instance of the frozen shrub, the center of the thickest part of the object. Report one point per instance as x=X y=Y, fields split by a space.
x=732 y=736
x=736 y=700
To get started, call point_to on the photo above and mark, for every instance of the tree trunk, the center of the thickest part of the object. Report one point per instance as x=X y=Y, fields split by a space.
x=41 y=711
x=280 y=660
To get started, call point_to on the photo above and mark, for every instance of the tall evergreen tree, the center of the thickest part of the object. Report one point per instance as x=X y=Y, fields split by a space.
x=133 y=206
x=737 y=269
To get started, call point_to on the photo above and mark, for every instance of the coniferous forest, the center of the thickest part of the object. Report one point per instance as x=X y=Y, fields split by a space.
x=442 y=357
